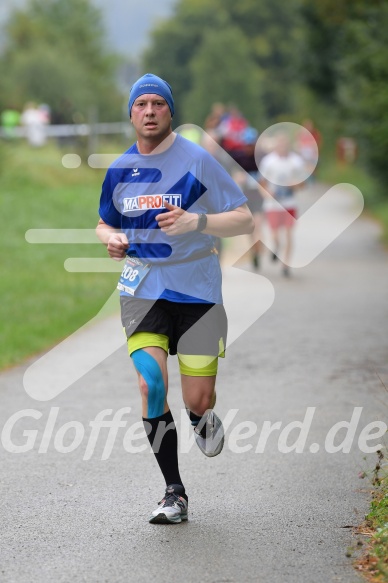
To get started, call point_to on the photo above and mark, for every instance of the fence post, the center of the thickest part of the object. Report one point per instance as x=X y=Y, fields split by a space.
x=93 y=137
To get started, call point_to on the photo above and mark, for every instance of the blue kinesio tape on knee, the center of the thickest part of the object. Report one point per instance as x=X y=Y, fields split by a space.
x=149 y=369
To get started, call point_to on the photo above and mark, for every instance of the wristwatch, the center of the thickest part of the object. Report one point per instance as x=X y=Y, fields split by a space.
x=202 y=222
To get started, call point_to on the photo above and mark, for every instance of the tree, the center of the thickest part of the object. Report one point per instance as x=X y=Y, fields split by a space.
x=237 y=81
x=54 y=52
x=176 y=41
x=268 y=30
x=320 y=52
x=272 y=29
x=363 y=85
x=346 y=58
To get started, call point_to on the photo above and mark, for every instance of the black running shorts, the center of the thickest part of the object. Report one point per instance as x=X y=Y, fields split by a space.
x=192 y=328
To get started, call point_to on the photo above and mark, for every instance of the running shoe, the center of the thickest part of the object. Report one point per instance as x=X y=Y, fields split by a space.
x=209 y=434
x=172 y=509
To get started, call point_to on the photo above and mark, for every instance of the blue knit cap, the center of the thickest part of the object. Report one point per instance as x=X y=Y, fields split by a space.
x=150 y=83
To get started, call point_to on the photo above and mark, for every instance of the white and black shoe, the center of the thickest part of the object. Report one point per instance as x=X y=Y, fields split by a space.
x=173 y=508
x=209 y=434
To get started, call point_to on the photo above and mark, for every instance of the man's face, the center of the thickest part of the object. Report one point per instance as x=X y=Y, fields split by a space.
x=151 y=116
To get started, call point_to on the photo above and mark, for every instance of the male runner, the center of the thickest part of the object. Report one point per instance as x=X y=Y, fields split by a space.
x=163 y=203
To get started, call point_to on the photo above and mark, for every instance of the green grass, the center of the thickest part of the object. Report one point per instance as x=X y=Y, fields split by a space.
x=40 y=301
x=376 y=202
x=377 y=521
x=380 y=211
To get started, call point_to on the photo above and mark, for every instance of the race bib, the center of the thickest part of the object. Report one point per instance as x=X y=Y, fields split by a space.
x=135 y=270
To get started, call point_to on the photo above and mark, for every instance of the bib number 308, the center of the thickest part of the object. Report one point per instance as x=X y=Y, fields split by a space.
x=129 y=273
x=132 y=275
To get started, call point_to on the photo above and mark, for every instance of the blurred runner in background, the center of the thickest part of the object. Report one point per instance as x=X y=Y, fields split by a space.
x=281 y=172
x=248 y=158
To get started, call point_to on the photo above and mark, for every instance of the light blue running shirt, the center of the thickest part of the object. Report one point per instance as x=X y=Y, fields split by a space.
x=133 y=193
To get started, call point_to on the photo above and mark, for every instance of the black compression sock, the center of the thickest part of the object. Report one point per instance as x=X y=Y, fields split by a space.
x=164 y=444
x=196 y=420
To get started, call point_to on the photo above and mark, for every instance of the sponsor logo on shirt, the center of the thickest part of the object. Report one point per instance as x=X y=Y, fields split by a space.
x=150 y=201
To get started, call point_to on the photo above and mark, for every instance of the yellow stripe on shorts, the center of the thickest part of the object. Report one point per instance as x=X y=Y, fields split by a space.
x=144 y=339
x=198 y=365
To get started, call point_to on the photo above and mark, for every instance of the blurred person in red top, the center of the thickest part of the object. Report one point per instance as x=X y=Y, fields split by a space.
x=231 y=131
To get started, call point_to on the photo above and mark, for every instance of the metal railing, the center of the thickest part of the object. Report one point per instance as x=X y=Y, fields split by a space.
x=67 y=130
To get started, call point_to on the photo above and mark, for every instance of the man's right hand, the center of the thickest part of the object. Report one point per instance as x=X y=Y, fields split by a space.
x=117 y=246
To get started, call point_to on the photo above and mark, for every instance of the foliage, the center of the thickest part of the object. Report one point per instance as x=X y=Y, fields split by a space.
x=364 y=73
x=374 y=561
x=176 y=41
x=244 y=46
x=272 y=28
x=319 y=52
x=238 y=76
x=54 y=54
x=346 y=64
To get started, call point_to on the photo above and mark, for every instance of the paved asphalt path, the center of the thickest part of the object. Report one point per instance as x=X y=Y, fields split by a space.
x=264 y=516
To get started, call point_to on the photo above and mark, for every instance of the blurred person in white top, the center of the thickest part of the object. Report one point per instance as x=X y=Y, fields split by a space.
x=34 y=121
x=281 y=172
